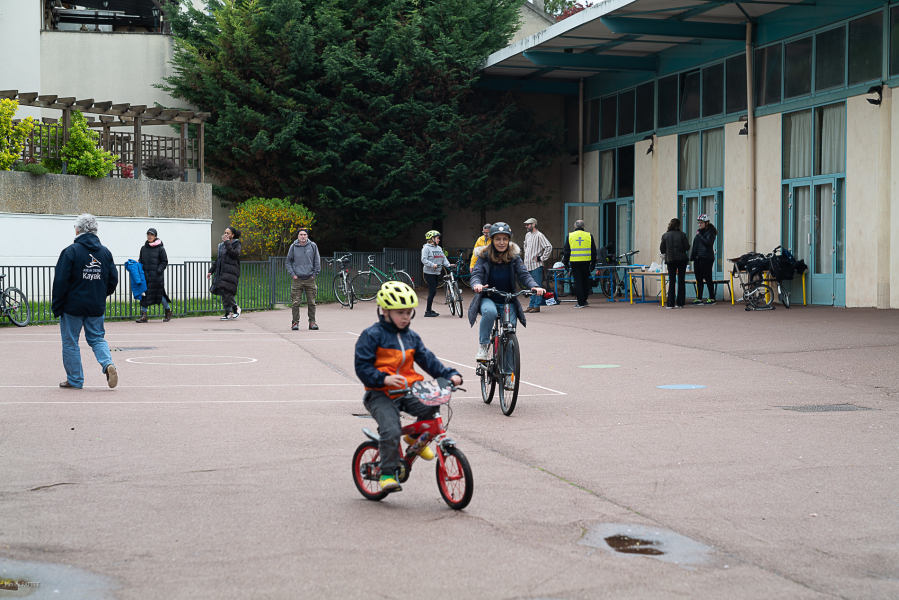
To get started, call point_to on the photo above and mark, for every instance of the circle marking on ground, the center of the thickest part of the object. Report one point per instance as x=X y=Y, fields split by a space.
x=232 y=360
x=598 y=366
x=681 y=386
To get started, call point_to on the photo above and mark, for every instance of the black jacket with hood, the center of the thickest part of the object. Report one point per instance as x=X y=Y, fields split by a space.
x=481 y=275
x=85 y=275
x=704 y=244
x=154 y=260
x=226 y=270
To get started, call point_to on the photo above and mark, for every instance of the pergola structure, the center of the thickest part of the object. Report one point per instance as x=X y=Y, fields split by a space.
x=148 y=14
x=117 y=115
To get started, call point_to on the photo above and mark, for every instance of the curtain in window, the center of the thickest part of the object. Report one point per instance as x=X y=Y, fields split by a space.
x=689 y=161
x=607 y=175
x=823 y=229
x=832 y=139
x=713 y=158
x=797 y=137
x=802 y=223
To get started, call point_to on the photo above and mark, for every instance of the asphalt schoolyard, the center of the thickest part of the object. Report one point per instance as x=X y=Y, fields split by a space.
x=220 y=466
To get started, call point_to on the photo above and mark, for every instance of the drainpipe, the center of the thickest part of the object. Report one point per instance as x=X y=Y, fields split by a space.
x=580 y=146
x=750 y=124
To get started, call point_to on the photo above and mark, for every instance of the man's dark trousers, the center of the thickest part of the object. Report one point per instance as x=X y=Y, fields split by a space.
x=580 y=271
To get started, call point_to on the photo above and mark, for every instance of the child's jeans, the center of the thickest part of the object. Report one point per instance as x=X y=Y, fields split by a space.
x=386 y=412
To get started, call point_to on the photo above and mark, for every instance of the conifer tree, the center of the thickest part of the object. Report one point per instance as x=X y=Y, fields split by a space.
x=365 y=111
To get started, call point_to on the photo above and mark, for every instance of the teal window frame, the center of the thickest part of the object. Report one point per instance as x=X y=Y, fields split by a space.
x=613 y=204
x=683 y=195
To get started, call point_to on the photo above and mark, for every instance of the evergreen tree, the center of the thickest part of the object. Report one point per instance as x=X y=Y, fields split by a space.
x=363 y=110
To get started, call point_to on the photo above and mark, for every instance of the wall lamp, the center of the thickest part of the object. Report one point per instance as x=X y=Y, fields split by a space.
x=651 y=144
x=875 y=89
x=745 y=130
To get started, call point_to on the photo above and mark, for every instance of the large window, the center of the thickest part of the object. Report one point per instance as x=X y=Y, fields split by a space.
x=609 y=117
x=767 y=75
x=689 y=95
x=645 y=107
x=865 y=48
x=798 y=68
x=616 y=194
x=830 y=59
x=700 y=162
x=894 y=40
x=713 y=90
x=668 y=101
x=736 y=84
x=626 y=112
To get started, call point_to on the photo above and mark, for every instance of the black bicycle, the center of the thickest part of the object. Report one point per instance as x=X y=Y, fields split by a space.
x=453 y=294
x=614 y=284
x=14 y=305
x=503 y=344
x=343 y=291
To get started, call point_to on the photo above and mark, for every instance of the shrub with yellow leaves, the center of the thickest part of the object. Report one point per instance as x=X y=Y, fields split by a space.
x=12 y=137
x=268 y=226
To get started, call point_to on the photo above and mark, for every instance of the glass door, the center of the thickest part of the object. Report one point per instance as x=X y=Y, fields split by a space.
x=625 y=226
x=817 y=236
x=823 y=236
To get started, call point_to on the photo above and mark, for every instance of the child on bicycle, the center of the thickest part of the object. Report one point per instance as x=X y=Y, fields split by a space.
x=386 y=354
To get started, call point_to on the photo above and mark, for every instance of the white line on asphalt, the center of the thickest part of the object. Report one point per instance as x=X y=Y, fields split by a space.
x=556 y=392
x=161 y=341
x=192 y=385
x=219 y=401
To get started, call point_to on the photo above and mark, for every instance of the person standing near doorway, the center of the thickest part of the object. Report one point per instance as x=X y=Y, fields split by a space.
x=703 y=257
x=303 y=263
x=579 y=254
x=482 y=241
x=675 y=246
x=154 y=261
x=85 y=275
x=537 y=250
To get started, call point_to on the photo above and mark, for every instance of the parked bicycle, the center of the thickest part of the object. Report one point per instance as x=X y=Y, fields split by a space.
x=750 y=270
x=614 y=284
x=454 y=478
x=503 y=347
x=343 y=291
x=14 y=305
x=367 y=283
x=462 y=271
x=453 y=294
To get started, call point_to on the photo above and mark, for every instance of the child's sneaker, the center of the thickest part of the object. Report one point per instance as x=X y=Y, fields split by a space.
x=389 y=484
x=697 y=301
x=426 y=452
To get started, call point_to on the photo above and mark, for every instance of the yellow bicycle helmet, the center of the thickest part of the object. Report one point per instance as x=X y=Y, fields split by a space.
x=395 y=295
x=431 y=234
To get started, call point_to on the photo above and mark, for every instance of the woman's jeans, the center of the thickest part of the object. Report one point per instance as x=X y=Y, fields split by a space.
x=488 y=311
x=144 y=306
x=70 y=329
x=432 y=288
x=677 y=270
x=703 y=268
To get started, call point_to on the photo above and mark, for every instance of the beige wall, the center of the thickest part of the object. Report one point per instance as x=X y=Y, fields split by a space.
x=893 y=220
x=768 y=169
x=533 y=20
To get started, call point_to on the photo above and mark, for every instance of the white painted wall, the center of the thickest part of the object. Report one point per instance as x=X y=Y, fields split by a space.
x=20 y=31
x=37 y=239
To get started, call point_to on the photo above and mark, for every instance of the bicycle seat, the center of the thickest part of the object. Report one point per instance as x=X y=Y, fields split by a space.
x=390 y=264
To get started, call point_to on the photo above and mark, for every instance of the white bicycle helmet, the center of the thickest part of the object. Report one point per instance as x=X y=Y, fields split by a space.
x=704 y=218
x=559 y=265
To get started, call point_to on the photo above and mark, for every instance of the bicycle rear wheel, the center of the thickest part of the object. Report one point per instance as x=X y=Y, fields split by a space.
x=16 y=306
x=758 y=297
x=340 y=290
x=465 y=275
x=454 y=478
x=366 y=457
x=404 y=277
x=366 y=285
x=508 y=398
x=458 y=299
x=607 y=285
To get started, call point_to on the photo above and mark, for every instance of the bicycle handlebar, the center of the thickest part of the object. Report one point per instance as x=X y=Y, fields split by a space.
x=345 y=258
x=507 y=295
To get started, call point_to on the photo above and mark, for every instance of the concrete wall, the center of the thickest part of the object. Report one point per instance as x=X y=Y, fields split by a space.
x=533 y=20
x=20 y=29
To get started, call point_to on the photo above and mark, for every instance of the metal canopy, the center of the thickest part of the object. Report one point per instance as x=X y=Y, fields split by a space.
x=135 y=13
x=622 y=35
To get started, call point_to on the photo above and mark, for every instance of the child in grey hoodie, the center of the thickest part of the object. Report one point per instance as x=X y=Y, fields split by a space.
x=432 y=258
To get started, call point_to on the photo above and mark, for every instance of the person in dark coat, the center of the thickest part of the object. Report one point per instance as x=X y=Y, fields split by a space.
x=703 y=257
x=225 y=273
x=85 y=275
x=675 y=246
x=154 y=261
x=499 y=266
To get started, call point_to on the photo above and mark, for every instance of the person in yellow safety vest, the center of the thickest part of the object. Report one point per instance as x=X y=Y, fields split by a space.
x=482 y=241
x=580 y=254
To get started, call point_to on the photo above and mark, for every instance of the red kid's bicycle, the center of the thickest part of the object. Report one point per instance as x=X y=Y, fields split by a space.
x=453 y=471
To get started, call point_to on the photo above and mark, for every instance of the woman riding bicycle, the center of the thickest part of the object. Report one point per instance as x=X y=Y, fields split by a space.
x=499 y=266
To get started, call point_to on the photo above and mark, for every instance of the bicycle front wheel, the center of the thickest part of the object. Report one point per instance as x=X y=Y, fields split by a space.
x=458 y=299
x=450 y=300
x=488 y=374
x=441 y=281
x=404 y=277
x=607 y=285
x=784 y=296
x=16 y=306
x=759 y=297
x=341 y=291
x=454 y=478
x=366 y=285
x=511 y=354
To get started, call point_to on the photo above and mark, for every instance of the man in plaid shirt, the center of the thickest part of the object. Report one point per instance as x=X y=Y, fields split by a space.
x=536 y=251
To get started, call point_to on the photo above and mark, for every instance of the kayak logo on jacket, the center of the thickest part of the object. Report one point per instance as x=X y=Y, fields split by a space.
x=92 y=269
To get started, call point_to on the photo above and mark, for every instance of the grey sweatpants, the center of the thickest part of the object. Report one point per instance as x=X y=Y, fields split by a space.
x=386 y=412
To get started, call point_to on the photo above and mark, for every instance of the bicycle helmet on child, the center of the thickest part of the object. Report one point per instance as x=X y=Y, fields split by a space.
x=395 y=295
x=704 y=218
x=432 y=234
x=500 y=228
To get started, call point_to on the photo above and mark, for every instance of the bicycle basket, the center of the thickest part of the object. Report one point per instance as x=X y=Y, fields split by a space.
x=433 y=393
x=783 y=268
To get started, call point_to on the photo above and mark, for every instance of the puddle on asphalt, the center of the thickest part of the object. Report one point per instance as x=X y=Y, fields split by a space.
x=37 y=581
x=654 y=542
x=629 y=545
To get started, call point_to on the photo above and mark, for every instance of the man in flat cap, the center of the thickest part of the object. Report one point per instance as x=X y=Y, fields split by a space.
x=537 y=250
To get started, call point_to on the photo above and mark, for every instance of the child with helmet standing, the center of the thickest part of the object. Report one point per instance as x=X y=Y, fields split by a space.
x=703 y=257
x=386 y=355
x=432 y=258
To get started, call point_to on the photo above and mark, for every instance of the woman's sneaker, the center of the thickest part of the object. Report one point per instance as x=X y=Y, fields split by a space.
x=510 y=382
x=236 y=313
x=482 y=353
x=698 y=301
x=709 y=301
x=226 y=317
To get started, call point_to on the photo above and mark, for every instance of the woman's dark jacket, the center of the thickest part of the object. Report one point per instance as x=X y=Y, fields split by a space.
x=154 y=260
x=481 y=275
x=226 y=269
x=675 y=246
x=704 y=245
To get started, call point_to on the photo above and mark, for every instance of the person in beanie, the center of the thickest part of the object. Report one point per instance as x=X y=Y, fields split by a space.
x=303 y=263
x=226 y=271
x=85 y=275
x=154 y=261
x=537 y=250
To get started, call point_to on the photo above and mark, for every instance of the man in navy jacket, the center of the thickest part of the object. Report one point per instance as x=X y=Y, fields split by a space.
x=85 y=276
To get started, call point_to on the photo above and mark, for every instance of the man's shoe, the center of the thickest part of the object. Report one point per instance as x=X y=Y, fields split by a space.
x=510 y=382
x=528 y=309
x=426 y=452
x=535 y=309
x=112 y=376
x=313 y=326
x=143 y=319
x=168 y=316
x=710 y=301
x=226 y=317
x=295 y=325
x=580 y=306
x=431 y=313
x=236 y=313
x=390 y=484
x=482 y=354
x=68 y=386
x=697 y=301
